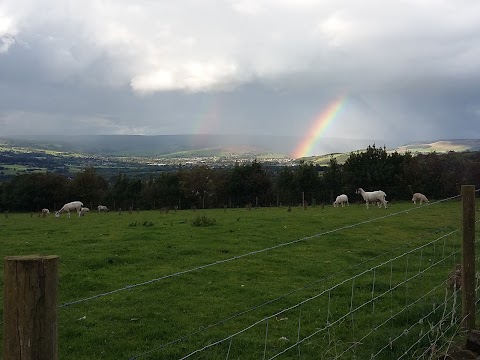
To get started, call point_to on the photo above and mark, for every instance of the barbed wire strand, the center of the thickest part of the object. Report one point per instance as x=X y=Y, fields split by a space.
x=201 y=267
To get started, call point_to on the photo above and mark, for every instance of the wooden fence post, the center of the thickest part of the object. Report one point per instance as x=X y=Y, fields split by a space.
x=30 y=307
x=468 y=257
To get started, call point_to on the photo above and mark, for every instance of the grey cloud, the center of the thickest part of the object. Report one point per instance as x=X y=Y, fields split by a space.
x=408 y=72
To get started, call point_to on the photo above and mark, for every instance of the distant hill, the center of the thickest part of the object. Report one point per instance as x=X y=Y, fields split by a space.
x=178 y=145
x=441 y=146
x=418 y=147
x=219 y=145
x=161 y=145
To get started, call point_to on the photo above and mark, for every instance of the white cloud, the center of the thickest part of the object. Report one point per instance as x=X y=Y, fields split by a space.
x=192 y=76
x=152 y=46
x=249 y=7
x=7 y=31
x=153 y=81
x=6 y=25
x=337 y=30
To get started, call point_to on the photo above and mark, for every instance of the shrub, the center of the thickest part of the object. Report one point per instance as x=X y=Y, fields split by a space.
x=203 y=220
x=148 y=223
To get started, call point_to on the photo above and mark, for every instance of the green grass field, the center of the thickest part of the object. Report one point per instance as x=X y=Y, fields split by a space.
x=249 y=266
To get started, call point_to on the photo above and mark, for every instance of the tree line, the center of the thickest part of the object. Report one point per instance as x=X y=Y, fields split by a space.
x=251 y=184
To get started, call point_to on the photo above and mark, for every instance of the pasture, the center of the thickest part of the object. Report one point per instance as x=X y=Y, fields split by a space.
x=198 y=285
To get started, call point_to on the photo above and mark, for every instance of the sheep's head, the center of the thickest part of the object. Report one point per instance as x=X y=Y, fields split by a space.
x=57 y=214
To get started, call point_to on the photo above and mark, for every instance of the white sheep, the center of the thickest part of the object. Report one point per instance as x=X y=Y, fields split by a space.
x=341 y=199
x=102 y=208
x=420 y=197
x=380 y=203
x=84 y=210
x=373 y=197
x=45 y=212
x=71 y=206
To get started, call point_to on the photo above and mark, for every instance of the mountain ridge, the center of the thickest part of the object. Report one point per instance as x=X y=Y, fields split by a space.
x=219 y=145
x=164 y=145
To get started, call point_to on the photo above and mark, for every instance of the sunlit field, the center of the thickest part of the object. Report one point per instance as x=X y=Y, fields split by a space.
x=285 y=271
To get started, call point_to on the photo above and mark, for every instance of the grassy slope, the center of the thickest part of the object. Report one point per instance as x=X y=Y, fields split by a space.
x=325 y=159
x=20 y=150
x=442 y=146
x=102 y=252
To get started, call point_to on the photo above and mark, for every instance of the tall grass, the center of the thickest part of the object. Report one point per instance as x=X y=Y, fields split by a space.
x=247 y=267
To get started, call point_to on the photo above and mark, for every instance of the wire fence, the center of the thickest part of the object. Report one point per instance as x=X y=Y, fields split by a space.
x=252 y=253
x=373 y=323
x=369 y=322
x=403 y=305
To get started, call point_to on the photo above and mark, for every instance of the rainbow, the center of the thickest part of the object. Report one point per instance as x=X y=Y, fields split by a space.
x=319 y=127
x=207 y=119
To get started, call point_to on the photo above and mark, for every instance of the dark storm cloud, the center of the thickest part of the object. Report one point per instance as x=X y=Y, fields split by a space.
x=407 y=71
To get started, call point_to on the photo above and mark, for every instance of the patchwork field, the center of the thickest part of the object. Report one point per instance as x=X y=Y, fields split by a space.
x=348 y=282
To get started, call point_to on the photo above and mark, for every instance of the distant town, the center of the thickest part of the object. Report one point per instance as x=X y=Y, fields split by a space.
x=141 y=156
x=17 y=161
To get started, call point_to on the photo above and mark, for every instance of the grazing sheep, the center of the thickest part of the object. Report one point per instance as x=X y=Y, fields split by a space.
x=84 y=210
x=71 y=206
x=45 y=212
x=102 y=208
x=341 y=199
x=418 y=196
x=373 y=197
x=379 y=203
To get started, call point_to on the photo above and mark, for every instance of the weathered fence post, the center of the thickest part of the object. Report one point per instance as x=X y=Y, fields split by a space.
x=30 y=302
x=468 y=257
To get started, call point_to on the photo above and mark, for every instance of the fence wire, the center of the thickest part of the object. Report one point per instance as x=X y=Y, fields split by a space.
x=269 y=302
x=256 y=252
x=414 y=269
x=436 y=325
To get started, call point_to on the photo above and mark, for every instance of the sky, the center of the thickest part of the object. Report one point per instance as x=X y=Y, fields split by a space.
x=400 y=71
